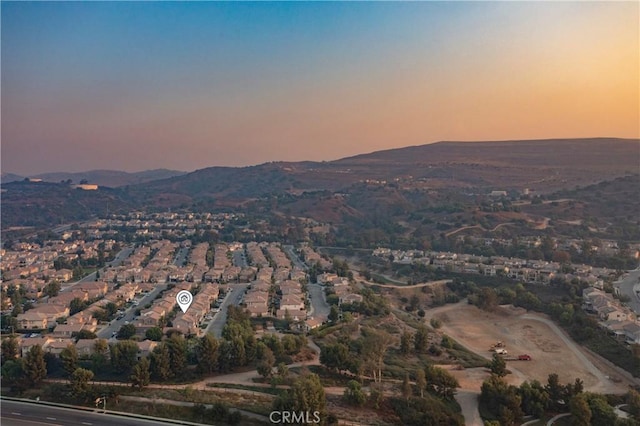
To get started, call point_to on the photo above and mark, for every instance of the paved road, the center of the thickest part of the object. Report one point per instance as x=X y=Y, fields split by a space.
x=319 y=307
x=294 y=258
x=555 y=418
x=181 y=256
x=115 y=325
x=468 y=401
x=630 y=286
x=24 y=414
x=120 y=257
x=240 y=258
x=220 y=319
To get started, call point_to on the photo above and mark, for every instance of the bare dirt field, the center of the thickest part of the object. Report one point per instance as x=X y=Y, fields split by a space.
x=524 y=333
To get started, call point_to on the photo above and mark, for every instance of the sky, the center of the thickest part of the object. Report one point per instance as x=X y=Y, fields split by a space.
x=186 y=85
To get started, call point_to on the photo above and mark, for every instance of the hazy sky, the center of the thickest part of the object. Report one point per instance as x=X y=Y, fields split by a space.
x=134 y=86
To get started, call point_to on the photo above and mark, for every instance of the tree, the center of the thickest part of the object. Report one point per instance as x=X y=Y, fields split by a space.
x=501 y=401
x=633 y=400
x=154 y=333
x=9 y=349
x=76 y=306
x=124 y=356
x=288 y=318
x=306 y=394
x=207 y=354
x=435 y=323
x=141 y=376
x=290 y=344
x=441 y=382
x=602 y=413
x=406 y=339
x=421 y=339
x=69 y=358
x=282 y=371
x=374 y=346
x=335 y=356
x=580 y=411
x=80 y=381
x=14 y=375
x=354 y=395
x=421 y=381
x=34 y=366
x=406 y=387
x=84 y=335
x=535 y=398
x=126 y=332
x=99 y=356
x=177 y=346
x=52 y=289
x=498 y=366
x=487 y=299
x=265 y=367
x=225 y=356
x=555 y=391
x=17 y=310
x=161 y=362
x=334 y=314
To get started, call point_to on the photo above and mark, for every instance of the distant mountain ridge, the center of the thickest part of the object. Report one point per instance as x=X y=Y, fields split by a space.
x=10 y=177
x=583 y=152
x=379 y=183
x=543 y=165
x=110 y=178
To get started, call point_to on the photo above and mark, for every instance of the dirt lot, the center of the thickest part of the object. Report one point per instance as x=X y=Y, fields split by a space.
x=524 y=333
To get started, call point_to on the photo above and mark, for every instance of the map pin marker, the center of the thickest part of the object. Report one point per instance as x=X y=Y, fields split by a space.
x=184 y=299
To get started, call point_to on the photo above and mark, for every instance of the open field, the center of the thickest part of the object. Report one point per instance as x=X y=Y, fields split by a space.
x=524 y=333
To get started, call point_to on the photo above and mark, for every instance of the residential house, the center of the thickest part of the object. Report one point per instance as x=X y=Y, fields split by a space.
x=25 y=345
x=145 y=348
x=67 y=330
x=259 y=310
x=56 y=346
x=350 y=298
x=31 y=320
x=292 y=303
x=296 y=315
x=632 y=333
x=312 y=323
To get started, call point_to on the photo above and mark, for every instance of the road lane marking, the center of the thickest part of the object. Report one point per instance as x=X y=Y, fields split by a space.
x=16 y=414
x=87 y=423
x=51 y=418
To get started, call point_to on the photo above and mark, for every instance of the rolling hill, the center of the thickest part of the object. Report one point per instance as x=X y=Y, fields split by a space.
x=370 y=186
x=541 y=165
